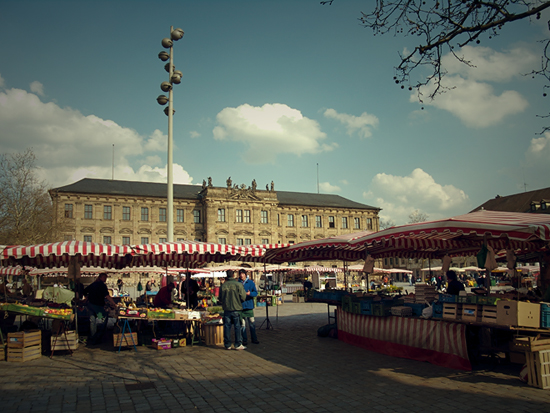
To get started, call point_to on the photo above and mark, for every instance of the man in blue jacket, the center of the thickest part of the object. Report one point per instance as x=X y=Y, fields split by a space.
x=248 y=308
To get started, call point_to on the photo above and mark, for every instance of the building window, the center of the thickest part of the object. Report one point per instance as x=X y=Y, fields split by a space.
x=264 y=219
x=344 y=222
x=357 y=223
x=126 y=215
x=304 y=221
x=145 y=214
x=221 y=214
x=107 y=239
x=145 y=240
x=67 y=237
x=238 y=215
x=331 y=222
x=265 y=241
x=543 y=205
x=162 y=215
x=179 y=215
x=87 y=238
x=163 y=239
x=278 y=220
x=369 y=223
x=125 y=240
x=68 y=210
x=88 y=212
x=107 y=212
x=240 y=241
x=180 y=239
x=222 y=241
x=318 y=221
x=247 y=241
x=247 y=215
x=196 y=216
x=290 y=220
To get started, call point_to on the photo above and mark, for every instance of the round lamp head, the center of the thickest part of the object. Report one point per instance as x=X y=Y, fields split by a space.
x=176 y=79
x=166 y=110
x=162 y=100
x=166 y=86
x=176 y=34
x=167 y=67
x=177 y=72
x=167 y=43
x=164 y=56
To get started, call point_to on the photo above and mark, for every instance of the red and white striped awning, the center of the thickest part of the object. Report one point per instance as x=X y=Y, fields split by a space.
x=461 y=235
x=332 y=248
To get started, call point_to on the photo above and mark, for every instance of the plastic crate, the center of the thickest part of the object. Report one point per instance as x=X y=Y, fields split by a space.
x=366 y=307
x=416 y=308
x=545 y=319
x=437 y=310
x=467 y=299
x=447 y=298
x=381 y=310
x=487 y=300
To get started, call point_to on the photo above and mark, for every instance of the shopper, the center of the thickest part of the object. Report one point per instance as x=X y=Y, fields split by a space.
x=163 y=299
x=232 y=295
x=96 y=294
x=248 y=308
x=189 y=291
x=454 y=286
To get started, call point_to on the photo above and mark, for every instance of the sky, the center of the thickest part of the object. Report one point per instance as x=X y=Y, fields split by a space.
x=288 y=91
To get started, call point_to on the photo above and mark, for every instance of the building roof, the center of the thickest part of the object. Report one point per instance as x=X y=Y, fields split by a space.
x=516 y=203
x=154 y=189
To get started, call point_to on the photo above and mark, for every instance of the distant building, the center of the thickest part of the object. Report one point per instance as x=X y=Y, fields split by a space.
x=126 y=212
x=537 y=201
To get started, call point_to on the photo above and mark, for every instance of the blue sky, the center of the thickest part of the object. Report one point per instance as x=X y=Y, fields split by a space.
x=270 y=89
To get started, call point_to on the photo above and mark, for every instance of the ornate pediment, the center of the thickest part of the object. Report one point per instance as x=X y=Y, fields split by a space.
x=144 y=231
x=291 y=235
x=107 y=230
x=243 y=192
x=244 y=233
x=126 y=231
x=264 y=233
x=305 y=236
x=87 y=229
x=161 y=232
x=180 y=232
x=222 y=232
x=319 y=236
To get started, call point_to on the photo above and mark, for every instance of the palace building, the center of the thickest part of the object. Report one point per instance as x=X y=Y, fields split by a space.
x=127 y=212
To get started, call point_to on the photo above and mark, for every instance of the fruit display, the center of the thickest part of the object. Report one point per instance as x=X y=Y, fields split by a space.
x=213 y=319
x=131 y=311
x=160 y=313
x=60 y=313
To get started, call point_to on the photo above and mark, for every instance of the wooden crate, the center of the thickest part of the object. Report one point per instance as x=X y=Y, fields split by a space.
x=538 y=369
x=24 y=339
x=452 y=311
x=62 y=343
x=489 y=314
x=130 y=339
x=23 y=354
x=471 y=313
x=213 y=334
x=530 y=344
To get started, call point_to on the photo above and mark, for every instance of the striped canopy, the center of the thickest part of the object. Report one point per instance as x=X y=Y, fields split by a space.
x=460 y=235
x=337 y=247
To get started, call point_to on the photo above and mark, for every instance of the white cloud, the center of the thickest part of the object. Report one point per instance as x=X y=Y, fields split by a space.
x=326 y=187
x=270 y=130
x=360 y=124
x=537 y=156
x=194 y=134
x=83 y=145
x=475 y=103
x=398 y=196
x=471 y=98
x=490 y=65
x=37 y=87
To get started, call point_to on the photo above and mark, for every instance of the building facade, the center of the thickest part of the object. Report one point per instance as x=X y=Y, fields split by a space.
x=126 y=212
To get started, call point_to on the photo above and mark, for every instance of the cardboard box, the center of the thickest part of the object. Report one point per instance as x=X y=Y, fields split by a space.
x=129 y=339
x=24 y=339
x=162 y=344
x=296 y=299
x=213 y=334
x=62 y=343
x=181 y=315
x=518 y=313
x=24 y=354
x=471 y=313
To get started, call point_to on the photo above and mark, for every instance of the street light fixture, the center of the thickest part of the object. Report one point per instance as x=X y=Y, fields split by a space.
x=174 y=78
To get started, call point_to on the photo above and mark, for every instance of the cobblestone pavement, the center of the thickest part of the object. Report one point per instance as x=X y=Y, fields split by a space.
x=291 y=370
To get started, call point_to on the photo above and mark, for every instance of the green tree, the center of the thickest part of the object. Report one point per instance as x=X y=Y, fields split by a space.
x=26 y=210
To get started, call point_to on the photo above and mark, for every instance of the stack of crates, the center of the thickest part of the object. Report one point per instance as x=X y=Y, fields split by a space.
x=425 y=293
x=24 y=345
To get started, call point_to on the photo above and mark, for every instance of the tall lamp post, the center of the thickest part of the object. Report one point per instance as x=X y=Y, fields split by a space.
x=174 y=77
